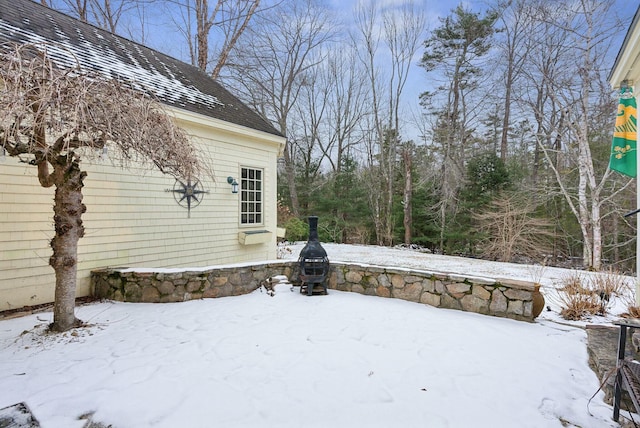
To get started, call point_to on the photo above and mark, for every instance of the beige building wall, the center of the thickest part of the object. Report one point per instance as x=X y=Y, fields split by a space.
x=131 y=219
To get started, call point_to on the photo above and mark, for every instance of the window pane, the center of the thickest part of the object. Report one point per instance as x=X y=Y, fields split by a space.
x=251 y=196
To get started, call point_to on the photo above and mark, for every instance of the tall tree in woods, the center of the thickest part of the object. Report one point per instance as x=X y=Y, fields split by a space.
x=516 y=28
x=340 y=93
x=199 y=19
x=329 y=113
x=366 y=36
x=52 y=118
x=273 y=63
x=586 y=28
x=402 y=31
x=545 y=46
x=406 y=152
x=454 y=51
x=310 y=111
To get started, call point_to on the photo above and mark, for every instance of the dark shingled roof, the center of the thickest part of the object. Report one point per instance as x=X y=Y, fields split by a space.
x=173 y=82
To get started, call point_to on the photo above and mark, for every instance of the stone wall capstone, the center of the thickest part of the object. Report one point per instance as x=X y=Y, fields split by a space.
x=508 y=298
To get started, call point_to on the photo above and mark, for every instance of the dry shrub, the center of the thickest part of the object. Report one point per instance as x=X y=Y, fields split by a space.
x=633 y=311
x=610 y=284
x=630 y=302
x=511 y=230
x=582 y=296
x=537 y=271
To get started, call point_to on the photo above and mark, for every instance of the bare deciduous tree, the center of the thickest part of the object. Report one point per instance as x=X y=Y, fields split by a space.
x=200 y=17
x=52 y=118
x=511 y=229
x=586 y=28
x=273 y=64
x=337 y=100
x=517 y=26
x=402 y=31
x=232 y=30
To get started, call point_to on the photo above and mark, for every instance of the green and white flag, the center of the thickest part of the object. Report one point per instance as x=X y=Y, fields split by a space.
x=623 y=149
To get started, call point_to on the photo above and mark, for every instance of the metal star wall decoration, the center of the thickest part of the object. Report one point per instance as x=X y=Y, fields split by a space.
x=188 y=195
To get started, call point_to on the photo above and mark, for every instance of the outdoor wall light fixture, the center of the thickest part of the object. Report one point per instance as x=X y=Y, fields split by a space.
x=234 y=184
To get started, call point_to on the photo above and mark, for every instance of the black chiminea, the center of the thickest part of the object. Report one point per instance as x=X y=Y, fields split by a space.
x=314 y=263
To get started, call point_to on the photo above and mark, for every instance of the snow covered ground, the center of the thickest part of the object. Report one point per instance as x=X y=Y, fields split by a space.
x=342 y=360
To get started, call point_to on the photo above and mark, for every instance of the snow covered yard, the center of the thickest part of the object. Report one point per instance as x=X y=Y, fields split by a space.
x=342 y=360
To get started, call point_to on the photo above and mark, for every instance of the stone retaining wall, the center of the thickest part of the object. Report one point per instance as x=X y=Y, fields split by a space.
x=498 y=297
x=170 y=285
x=503 y=298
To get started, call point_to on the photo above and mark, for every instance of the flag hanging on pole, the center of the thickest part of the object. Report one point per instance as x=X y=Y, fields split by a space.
x=623 y=149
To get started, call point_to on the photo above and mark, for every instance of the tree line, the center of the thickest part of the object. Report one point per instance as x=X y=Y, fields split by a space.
x=505 y=158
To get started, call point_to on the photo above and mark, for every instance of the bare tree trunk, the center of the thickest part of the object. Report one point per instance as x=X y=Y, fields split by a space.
x=504 y=139
x=539 y=132
x=290 y=172
x=443 y=224
x=232 y=39
x=583 y=211
x=597 y=236
x=81 y=9
x=68 y=209
x=203 y=28
x=231 y=17
x=408 y=190
x=616 y=241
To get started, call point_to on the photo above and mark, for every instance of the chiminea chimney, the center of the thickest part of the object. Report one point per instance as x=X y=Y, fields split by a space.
x=313 y=228
x=314 y=263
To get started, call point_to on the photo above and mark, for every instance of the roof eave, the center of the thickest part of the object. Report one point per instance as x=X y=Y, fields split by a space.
x=626 y=67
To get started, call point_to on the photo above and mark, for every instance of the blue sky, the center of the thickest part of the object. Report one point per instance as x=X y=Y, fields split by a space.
x=163 y=35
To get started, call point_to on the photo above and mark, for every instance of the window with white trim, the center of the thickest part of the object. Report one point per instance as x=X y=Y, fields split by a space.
x=251 y=196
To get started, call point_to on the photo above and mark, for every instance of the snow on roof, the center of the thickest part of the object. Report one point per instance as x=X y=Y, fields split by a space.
x=71 y=42
x=106 y=61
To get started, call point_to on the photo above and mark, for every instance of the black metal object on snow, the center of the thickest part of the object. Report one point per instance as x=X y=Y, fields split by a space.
x=314 y=263
x=627 y=371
